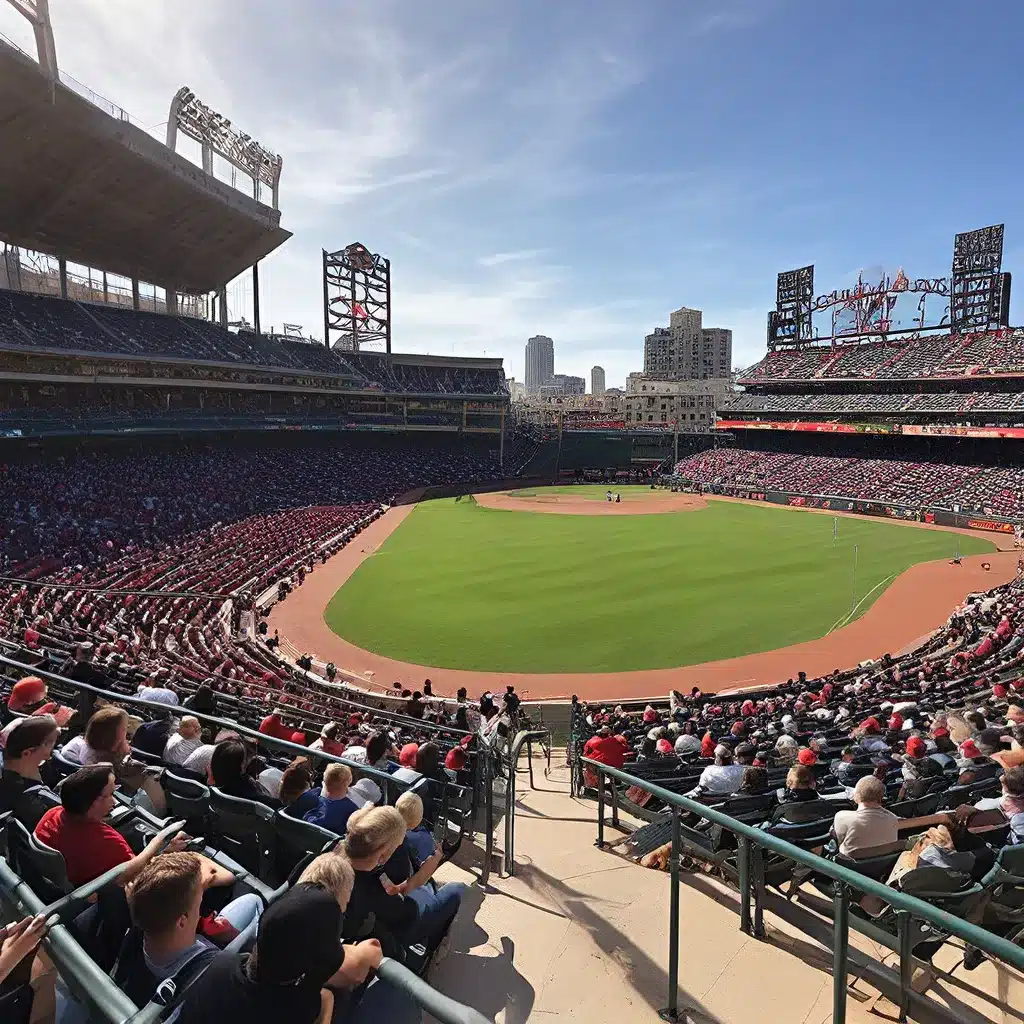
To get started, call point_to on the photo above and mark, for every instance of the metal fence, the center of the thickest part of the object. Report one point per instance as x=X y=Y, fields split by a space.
x=751 y=843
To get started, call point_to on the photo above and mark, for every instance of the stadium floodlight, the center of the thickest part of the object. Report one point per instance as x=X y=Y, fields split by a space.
x=215 y=133
x=38 y=14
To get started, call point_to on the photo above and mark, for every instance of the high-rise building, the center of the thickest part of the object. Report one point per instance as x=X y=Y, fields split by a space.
x=597 y=381
x=540 y=363
x=563 y=384
x=686 y=350
x=687 y=405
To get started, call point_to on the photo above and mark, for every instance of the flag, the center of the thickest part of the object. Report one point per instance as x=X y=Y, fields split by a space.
x=357 y=310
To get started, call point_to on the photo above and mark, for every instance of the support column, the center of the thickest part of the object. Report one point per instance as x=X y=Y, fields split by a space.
x=62 y=267
x=222 y=301
x=171 y=300
x=327 y=303
x=135 y=294
x=256 y=296
x=106 y=291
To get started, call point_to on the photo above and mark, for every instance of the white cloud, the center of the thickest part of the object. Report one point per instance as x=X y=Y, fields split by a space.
x=497 y=258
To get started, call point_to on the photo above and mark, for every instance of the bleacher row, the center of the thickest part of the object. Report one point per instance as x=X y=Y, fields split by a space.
x=939 y=733
x=951 y=402
x=943 y=355
x=259 y=845
x=32 y=321
x=980 y=490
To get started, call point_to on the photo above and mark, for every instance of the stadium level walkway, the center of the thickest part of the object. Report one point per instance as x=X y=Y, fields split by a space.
x=582 y=935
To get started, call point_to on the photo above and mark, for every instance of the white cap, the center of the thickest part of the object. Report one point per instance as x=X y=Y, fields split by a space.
x=364 y=793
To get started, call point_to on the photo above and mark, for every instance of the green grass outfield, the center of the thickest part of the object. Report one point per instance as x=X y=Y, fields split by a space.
x=461 y=586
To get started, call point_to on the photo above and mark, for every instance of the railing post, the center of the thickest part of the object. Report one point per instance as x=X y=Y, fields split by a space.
x=840 y=949
x=488 y=774
x=743 y=847
x=903 y=926
x=758 y=892
x=600 y=810
x=671 y=1012
x=510 y=814
x=615 y=803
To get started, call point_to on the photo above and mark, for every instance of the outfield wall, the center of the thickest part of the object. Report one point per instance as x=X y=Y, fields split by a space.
x=889 y=510
x=459 y=490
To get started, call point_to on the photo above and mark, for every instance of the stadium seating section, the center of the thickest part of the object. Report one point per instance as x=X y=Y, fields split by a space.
x=981 y=490
x=942 y=355
x=902 y=405
x=924 y=724
x=31 y=321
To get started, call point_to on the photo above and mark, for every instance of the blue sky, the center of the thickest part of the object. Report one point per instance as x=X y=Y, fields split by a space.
x=579 y=169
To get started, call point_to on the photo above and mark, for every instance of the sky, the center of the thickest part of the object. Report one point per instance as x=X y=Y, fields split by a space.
x=580 y=168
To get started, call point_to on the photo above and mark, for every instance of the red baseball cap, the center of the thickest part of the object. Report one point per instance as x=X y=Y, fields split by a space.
x=455 y=759
x=26 y=691
x=407 y=755
x=807 y=756
x=916 y=747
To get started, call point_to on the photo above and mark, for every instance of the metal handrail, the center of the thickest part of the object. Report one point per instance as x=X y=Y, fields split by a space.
x=437 y=1004
x=295 y=749
x=524 y=737
x=845 y=880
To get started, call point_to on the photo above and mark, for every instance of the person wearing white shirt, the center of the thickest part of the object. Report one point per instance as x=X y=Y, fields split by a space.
x=185 y=741
x=723 y=776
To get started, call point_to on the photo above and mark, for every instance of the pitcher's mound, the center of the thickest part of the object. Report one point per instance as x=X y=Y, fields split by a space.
x=632 y=504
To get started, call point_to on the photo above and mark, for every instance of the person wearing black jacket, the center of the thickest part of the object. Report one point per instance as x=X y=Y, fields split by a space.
x=229 y=773
x=395 y=915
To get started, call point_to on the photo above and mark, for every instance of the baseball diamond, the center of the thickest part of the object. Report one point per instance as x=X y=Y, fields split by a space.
x=462 y=586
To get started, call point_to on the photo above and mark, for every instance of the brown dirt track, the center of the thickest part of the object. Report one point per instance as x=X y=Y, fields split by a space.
x=635 y=504
x=915 y=603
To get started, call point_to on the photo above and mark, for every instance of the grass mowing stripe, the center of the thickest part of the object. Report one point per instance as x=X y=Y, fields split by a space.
x=462 y=586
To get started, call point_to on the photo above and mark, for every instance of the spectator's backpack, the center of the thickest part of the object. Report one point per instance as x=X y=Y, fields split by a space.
x=135 y=979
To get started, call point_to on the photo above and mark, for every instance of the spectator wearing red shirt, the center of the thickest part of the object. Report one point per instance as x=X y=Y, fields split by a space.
x=331 y=740
x=90 y=846
x=274 y=727
x=607 y=749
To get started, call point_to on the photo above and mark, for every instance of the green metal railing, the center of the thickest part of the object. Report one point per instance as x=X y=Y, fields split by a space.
x=96 y=991
x=751 y=842
x=388 y=783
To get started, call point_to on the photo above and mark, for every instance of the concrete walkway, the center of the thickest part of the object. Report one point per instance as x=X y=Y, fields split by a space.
x=582 y=934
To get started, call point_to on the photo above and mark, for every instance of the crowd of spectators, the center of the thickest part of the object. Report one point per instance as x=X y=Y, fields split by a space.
x=941 y=402
x=928 y=745
x=34 y=321
x=940 y=355
x=180 y=908
x=978 y=490
x=99 y=505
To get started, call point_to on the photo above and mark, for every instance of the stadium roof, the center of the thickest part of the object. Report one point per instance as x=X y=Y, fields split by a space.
x=99 y=191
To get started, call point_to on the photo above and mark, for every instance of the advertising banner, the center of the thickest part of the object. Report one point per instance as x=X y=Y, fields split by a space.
x=809 y=426
x=949 y=430
x=990 y=524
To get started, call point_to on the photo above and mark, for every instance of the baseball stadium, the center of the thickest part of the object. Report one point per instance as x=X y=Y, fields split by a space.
x=333 y=689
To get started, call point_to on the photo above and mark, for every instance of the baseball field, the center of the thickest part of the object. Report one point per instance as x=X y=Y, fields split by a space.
x=460 y=586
